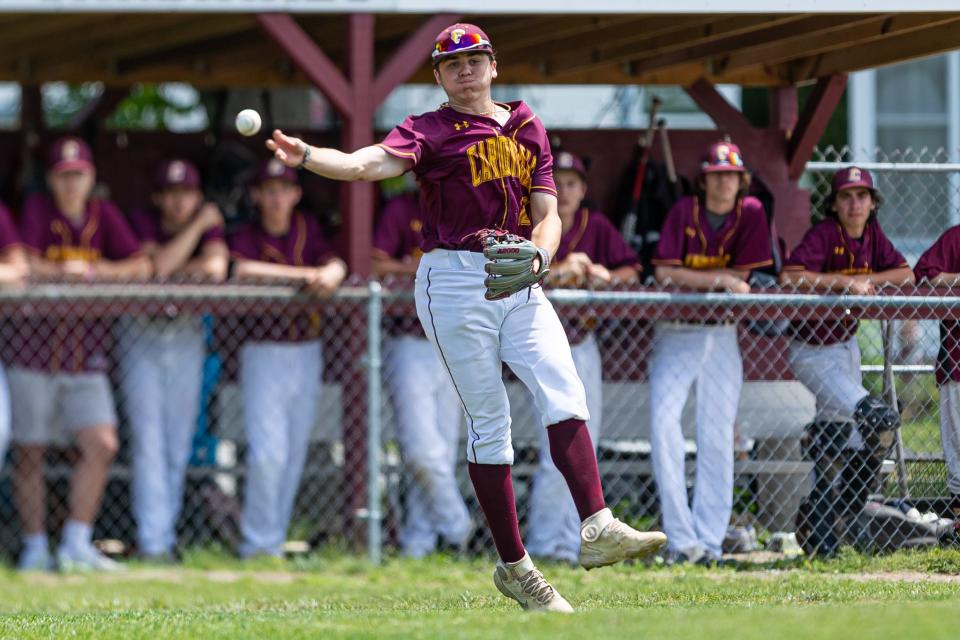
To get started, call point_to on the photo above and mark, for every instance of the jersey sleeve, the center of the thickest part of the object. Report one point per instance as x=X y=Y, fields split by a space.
x=942 y=257
x=613 y=250
x=670 y=248
x=751 y=249
x=543 y=171
x=8 y=230
x=810 y=254
x=242 y=244
x=119 y=241
x=887 y=255
x=388 y=236
x=35 y=223
x=405 y=141
x=212 y=234
x=144 y=225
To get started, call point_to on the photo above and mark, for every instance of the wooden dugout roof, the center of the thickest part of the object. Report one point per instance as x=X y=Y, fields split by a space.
x=230 y=49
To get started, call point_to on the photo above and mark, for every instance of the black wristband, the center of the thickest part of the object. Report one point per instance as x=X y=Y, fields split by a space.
x=306 y=156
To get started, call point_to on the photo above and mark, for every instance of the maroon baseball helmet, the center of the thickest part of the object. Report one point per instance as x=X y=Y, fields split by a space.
x=566 y=161
x=722 y=156
x=177 y=172
x=273 y=169
x=69 y=154
x=852 y=178
x=461 y=38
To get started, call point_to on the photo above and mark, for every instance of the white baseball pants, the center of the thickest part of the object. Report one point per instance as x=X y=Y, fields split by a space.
x=832 y=374
x=281 y=387
x=709 y=356
x=474 y=336
x=950 y=433
x=162 y=373
x=429 y=420
x=554 y=529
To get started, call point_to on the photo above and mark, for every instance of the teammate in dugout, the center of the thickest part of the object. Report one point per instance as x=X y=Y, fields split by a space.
x=281 y=361
x=591 y=252
x=428 y=430
x=13 y=273
x=484 y=165
x=161 y=359
x=940 y=266
x=58 y=377
x=847 y=251
x=709 y=241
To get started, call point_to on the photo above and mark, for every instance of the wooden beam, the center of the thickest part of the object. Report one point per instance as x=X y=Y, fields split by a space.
x=859 y=32
x=712 y=103
x=358 y=197
x=884 y=50
x=820 y=106
x=560 y=64
x=410 y=56
x=309 y=58
x=782 y=106
x=585 y=33
x=762 y=35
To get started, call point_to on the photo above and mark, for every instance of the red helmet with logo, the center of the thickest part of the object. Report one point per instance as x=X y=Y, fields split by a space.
x=461 y=38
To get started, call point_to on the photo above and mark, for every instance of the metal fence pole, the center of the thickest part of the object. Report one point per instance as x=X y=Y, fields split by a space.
x=374 y=399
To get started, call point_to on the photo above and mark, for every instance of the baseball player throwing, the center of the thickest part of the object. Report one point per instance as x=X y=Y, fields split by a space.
x=13 y=271
x=485 y=171
x=709 y=241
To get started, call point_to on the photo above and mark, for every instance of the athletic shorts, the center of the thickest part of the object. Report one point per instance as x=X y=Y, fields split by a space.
x=47 y=407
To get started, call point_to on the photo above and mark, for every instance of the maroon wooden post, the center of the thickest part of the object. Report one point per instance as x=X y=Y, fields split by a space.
x=813 y=121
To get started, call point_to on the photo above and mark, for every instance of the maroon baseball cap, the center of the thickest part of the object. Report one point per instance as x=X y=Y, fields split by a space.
x=177 y=172
x=566 y=161
x=461 y=38
x=722 y=156
x=851 y=178
x=273 y=169
x=69 y=154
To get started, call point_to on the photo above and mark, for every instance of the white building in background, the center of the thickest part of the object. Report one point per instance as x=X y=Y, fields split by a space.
x=910 y=112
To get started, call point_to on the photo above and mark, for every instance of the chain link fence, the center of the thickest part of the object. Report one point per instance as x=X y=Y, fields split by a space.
x=266 y=401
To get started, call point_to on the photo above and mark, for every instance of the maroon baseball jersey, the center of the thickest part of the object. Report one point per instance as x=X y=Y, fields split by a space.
x=944 y=257
x=742 y=241
x=399 y=232
x=148 y=228
x=398 y=236
x=69 y=343
x=9 y=237
x=828 y=248
x=304 y=245
x=474 y=174
x=592 y=234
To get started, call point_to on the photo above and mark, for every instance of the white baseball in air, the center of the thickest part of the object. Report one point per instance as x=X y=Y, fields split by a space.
x=248 y=122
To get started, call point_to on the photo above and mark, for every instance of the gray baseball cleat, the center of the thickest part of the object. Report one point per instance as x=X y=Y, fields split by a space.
x=606 y=540
x=522 y=582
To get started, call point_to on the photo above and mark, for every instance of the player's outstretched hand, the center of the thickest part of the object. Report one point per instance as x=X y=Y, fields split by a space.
x=287 y=149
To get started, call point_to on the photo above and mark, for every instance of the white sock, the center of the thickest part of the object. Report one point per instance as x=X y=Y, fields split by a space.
x=33 y=541
x=76 y=535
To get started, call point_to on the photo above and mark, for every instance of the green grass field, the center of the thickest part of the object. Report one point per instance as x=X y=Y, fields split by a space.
x=899 y=596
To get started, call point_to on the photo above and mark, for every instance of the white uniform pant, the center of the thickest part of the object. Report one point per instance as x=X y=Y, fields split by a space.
x=950 y=433
x=429 y=423
x=832 y=374
x=162 y=373
x=4 y=415
x=474 y=336
x=554 y=528
x=281 y=387
x=710 y=357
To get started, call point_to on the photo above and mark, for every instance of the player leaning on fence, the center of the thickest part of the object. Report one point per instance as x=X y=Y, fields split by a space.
x=59 y=375
x=13 y=272
x=940 y=265
x=485 y=169
x=161 y=359
x=846 y=252
x=709 y=241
